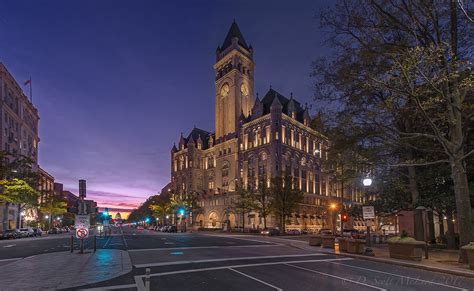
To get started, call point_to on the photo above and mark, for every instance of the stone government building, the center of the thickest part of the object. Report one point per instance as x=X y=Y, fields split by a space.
x=254 y=140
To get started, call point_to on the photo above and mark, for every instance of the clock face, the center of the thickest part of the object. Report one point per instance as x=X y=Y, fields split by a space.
x=225 y=90
x=244 y=89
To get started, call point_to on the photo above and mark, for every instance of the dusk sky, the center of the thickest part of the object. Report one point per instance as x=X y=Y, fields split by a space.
x=116 y=82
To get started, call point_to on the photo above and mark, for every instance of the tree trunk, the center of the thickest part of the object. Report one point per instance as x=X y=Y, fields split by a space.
x=243 y=221
x=264 y=220
x=5 y=216
x=463 y=204
x=18 y=217
x=451 y=242
x=441 y=226
x=431 y=229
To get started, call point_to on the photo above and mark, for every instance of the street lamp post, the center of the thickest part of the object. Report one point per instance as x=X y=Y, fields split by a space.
x=22 y=214
x=333 y=217
x=367 y=182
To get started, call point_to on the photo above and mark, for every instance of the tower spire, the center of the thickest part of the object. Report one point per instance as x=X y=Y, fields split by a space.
x=234 y=32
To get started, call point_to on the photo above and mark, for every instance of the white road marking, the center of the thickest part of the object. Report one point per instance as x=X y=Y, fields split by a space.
x=241 y=237
x=13 y=259
x=401 y=276
x=209 y=247
x=224 y=260
x=337 y=277
x=9 y=246
x=107 y=242
x=256 y=279
x=239 y=266
x=139 y=283
x=111 y=287
x=169 y=243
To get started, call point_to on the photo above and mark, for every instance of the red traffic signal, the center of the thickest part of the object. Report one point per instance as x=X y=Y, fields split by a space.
x=345 y=217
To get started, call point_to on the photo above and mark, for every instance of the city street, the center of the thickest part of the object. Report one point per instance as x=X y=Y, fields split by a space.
x=208 y=261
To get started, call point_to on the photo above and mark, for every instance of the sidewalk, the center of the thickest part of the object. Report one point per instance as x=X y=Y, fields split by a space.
x=64 y=270
x=444 y=261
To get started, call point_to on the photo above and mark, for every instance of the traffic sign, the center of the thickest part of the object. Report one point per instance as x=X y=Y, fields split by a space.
x=82 y=221
x=82 y=233
x=368 y=212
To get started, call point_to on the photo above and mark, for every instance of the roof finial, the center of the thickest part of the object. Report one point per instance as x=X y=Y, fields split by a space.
x=270 y=86
x=291 y=95
x=233 y=20
x=257 y=94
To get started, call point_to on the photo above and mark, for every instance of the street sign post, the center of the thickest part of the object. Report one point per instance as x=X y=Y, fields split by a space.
x=82 y=224
x=368 y=212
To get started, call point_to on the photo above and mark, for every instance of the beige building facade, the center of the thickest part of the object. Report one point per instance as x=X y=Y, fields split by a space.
x=255 y=139
x=18 y=134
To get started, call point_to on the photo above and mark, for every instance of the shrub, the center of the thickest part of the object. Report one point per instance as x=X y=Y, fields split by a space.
x=469 y=246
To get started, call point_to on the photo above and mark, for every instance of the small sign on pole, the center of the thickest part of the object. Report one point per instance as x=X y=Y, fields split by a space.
x=368 y=212
x=82 y=226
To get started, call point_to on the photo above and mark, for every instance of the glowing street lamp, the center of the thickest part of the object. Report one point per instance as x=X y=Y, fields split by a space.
x=333 y=206
x=46 y=216
x=367 y=182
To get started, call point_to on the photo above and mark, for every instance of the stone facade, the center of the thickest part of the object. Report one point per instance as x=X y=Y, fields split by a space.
x=254 y=141
x=18 y=134
x=19 y=119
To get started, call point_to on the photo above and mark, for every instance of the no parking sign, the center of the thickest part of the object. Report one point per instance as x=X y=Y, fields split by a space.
x=82 y=233
x=82 y=226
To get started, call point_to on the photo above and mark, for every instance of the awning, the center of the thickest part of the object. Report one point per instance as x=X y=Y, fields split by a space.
x=305 y=216
x=312 y=216
x=297 y=215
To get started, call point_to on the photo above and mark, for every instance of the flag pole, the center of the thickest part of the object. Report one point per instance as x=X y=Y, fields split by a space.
x=31 y=89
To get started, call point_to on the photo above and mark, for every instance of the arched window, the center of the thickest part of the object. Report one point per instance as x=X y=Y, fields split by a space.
x=225 y=170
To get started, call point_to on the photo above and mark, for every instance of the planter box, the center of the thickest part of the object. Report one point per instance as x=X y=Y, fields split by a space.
x=470 y=257
x=342 y=244
x=406 y=251
x=315 y=240
x=328 y=241
x=355 y=246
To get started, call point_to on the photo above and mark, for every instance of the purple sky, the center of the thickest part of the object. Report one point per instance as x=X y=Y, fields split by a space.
x=116 y=82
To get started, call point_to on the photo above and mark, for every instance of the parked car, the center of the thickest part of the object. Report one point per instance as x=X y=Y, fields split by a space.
x=38 y=231
x=270 y=231
x=325 y=231
x=11 y=234
x=54 y=230
x=350 y=233
x=293 y=231
x=27 y=232
x=140 y=227
x=171 y=228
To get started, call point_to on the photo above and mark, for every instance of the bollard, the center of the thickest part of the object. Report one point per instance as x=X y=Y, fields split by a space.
x=426 y=250
x=147 y=279
x=82 y=246
x=72 y=243
x=95 y=243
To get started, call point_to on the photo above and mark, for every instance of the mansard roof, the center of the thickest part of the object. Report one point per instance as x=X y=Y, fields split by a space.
x=272 y=94
x=197 y=133
x=234 y=31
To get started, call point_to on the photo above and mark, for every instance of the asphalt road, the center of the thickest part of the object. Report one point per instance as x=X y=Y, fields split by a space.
x=205 y=261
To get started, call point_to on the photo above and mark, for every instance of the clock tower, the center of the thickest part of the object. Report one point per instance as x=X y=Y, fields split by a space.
x=234 y=70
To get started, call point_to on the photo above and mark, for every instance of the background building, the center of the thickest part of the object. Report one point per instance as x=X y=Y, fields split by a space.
x=18 y=134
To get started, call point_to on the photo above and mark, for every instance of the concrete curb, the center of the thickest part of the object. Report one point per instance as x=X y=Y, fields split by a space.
x=467 y=274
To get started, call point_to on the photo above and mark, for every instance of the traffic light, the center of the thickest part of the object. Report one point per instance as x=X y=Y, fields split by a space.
x=181 y=211
x=147 y=220
x=345 y=217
